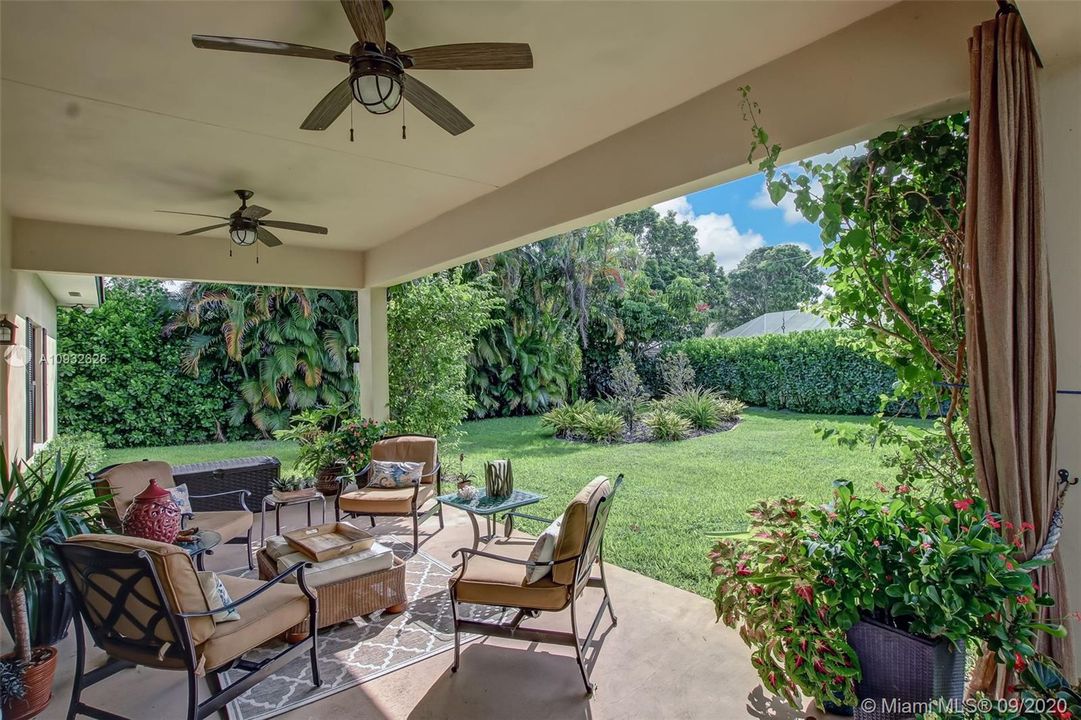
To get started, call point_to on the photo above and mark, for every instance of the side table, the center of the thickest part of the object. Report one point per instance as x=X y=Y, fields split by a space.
x=272 y=502
x=487 y=507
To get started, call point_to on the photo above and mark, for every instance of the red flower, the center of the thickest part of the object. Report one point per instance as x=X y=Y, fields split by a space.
x=1062 y=714
x=1025 y=526
x=992 y=522
x=877 y=543
x=1023 y=600
x=1009 y=565
x=1019 y=663
x=903 y=489
x=963 y=505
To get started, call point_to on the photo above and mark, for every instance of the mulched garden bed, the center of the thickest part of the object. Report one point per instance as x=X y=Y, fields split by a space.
x=642 y=434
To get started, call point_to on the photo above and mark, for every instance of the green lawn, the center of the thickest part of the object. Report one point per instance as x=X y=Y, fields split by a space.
x=674 y=493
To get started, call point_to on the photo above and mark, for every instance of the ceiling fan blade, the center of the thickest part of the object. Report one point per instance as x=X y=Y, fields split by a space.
x=368 y=20
x=438 y=109
x=329 y=108
x=267 y=47
x=299 y=227
x=204 y=229
x=473 y=56
x=268 y=238
x=254 y=212
x=177 y=212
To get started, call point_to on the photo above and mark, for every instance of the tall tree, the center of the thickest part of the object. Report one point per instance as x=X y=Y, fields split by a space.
x=772 y=278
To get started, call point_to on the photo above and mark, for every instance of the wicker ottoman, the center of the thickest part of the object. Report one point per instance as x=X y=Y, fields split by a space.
x=349 y=598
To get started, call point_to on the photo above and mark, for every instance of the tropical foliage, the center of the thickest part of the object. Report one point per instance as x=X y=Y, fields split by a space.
x=136 y=394
x=432 y=325
x=284 y=349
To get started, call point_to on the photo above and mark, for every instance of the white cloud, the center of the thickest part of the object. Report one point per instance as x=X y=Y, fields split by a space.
x=762 y=201
x=717 y=232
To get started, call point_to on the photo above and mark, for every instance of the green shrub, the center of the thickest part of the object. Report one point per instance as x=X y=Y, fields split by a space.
x=812 y=372
x=136 y=395
x=602 y=426
x=701 y=407
x=730 y=408
x=627 y=396
x=566 y=419
x=677 y=374
x=667 y=425
x=87 y=445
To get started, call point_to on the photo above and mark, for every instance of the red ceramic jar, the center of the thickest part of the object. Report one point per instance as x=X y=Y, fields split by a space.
x=153 y=515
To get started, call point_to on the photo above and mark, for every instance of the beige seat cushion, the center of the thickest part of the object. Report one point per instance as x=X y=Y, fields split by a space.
x=576 y=519
x=261 y=619
x=409 y=448
x=127 y=480
x=491 y=582
x=384 y=501
x=228 y=523
x=176 y=574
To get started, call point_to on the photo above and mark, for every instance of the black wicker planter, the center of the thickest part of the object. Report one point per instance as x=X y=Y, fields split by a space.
x=902 y=671
x=55 y=609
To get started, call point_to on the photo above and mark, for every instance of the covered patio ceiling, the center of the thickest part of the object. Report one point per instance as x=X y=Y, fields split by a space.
x=110 y=113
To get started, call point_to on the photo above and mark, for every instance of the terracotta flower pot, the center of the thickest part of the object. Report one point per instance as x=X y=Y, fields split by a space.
x=39 y=685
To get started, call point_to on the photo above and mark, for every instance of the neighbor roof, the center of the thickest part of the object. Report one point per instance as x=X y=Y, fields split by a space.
x=775 y=323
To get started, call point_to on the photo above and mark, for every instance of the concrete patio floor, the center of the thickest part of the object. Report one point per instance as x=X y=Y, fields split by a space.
x=666 y=658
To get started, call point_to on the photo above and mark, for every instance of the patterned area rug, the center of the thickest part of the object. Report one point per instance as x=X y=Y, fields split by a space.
x=366 y=648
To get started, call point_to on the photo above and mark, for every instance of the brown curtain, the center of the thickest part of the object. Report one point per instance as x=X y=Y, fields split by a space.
x=1010 y=334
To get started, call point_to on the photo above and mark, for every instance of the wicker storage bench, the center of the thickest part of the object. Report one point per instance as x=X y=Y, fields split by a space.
x=256 y=474
x=352 y=597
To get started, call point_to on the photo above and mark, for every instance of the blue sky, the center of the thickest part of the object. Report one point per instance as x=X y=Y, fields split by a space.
x=737 y=217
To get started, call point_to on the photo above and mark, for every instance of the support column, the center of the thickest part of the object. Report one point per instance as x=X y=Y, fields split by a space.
x=372 y=338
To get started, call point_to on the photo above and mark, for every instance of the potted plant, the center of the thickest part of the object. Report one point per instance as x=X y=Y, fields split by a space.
x=847 y=600
x=292 y=487
x=36 y=506
x=464 y=480
x=332 y=443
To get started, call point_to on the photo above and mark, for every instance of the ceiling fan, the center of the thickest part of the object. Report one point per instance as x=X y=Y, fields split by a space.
x=246 y=224
x=377 y=69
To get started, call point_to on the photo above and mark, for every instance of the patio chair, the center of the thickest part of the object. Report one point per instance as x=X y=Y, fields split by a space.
x=496 y=575
x=142 y=603
x=126 y=480
x=374 y=502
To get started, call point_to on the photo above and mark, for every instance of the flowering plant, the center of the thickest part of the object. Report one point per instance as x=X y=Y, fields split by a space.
x=1043 y=693
x=332 y=436
x=936 y=567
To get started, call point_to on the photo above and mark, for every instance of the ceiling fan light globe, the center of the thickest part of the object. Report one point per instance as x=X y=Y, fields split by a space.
x=378 y=94
x=243 y=236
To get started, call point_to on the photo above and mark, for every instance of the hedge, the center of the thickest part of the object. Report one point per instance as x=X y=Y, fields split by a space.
x=811 y=372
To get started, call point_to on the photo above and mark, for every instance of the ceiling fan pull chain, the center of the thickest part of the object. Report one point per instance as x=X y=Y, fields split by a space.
x=350 y=121
x=403 y=121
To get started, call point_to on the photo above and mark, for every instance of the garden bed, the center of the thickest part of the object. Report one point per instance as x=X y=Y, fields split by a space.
x=643 y=434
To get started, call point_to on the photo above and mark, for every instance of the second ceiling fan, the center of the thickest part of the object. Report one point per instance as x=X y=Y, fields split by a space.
x=377 y=76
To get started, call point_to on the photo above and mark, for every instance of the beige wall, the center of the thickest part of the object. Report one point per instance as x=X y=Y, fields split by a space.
x=1060 y=90
x=22 y=295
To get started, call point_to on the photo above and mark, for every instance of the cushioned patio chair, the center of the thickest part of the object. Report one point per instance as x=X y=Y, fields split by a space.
x=142 y=602
x=126 y=480
x=374 y=502
x=497 y=575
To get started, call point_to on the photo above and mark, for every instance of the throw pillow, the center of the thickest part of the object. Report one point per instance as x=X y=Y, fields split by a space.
x=216 y=596
x=182 y=498
x=543 y=551
x=394 y=474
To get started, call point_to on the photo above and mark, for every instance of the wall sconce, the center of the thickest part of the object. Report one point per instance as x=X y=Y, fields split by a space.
x=7 y=332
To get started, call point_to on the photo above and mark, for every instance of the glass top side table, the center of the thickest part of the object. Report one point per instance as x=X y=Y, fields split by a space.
x=203 y=544
x=488 y=507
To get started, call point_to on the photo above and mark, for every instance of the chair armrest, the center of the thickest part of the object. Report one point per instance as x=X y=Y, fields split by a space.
x=345 y=480
x=241 y=492
x=298 y=568
x=527 y=516
x=435 y=471
x=470 y=552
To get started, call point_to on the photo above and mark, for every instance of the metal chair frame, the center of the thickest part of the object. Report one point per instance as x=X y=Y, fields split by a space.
x=129 y=570
x=593 y=551
x=437 y=508
x=242 y=497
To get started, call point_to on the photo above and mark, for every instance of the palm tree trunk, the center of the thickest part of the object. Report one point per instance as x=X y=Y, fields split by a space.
x=20 y=624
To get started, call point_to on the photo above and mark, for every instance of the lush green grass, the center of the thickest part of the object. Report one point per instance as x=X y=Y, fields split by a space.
x=674 y=494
